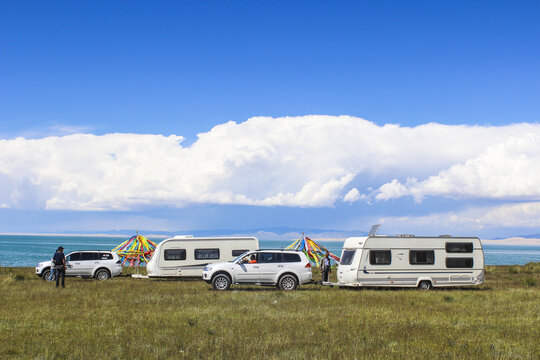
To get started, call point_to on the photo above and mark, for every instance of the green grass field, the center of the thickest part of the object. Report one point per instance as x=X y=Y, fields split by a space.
x=127 y=318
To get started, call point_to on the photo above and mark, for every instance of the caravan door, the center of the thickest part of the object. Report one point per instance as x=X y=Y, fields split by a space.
x=347 y=272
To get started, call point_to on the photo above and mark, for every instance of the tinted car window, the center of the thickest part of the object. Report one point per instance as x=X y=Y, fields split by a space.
x=85 y=256
x=74 y=257
x=105 y=256
x=288 y=257
x=268 y=257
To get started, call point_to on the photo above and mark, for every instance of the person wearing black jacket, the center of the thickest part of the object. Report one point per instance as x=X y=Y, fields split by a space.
x=60 y=264
x=325 y=267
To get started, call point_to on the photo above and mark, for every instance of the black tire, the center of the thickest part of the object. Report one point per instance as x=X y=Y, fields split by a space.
x=102 y=274
x=425 y=285
x=288 y=282
x=221 y=282
x=46 y=275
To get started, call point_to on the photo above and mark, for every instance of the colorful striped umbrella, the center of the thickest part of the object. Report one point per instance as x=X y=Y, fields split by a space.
x=315 y=252
x=136 y=250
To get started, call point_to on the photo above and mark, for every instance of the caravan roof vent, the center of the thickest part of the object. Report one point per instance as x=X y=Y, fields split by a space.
x=406 y=235
x=374 y=230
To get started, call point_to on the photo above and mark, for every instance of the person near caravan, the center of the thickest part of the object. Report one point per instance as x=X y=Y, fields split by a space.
x=52 y=276
x=325 y=267
x=60 y=264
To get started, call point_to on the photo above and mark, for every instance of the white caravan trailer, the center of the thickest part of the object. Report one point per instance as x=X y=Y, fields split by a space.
x=411 y=261
x=187 y=256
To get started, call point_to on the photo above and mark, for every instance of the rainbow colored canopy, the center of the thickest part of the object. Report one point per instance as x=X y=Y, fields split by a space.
x=135 y=250
x=315 y=252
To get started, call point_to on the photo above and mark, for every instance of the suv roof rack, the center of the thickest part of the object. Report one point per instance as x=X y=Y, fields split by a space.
x=94 y=250
x=277 y=250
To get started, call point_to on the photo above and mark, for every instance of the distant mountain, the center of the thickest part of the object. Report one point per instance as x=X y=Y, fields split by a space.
x=275 y=233
x=531 y=236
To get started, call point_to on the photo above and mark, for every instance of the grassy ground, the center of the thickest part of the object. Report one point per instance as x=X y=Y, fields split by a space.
x=127 y=318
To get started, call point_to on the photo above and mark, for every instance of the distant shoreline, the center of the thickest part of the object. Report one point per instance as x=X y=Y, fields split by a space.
x=512 y=241
x=83 y=235
x=507 y=241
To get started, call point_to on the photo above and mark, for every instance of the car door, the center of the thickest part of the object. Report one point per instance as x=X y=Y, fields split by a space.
x=73 y=264
x=89 y=260
x=247 y=272
x=269 y=266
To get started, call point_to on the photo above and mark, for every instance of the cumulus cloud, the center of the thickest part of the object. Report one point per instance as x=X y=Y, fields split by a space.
x=306 y=161
x=353 y=195
x=513 y=215
x=505 y=170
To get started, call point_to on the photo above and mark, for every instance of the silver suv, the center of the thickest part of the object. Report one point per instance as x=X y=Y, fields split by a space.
x=283 y=268
x=101 y=264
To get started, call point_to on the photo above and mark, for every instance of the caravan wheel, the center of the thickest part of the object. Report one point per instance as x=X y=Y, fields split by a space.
x=424 y=285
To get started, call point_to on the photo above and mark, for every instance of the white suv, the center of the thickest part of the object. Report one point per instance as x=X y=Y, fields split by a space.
x=101 y=264
x=283 y=268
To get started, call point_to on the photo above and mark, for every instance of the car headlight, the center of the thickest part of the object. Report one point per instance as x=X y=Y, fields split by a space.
x=40 y=264
x=207 y=268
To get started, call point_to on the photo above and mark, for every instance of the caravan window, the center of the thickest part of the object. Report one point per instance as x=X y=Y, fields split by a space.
x=175 y=254
x=380 y=257
x=206 y=254
x=459 y=262
x=421 y=257
x=459 y=247
x=347 y=257
x=236 y=253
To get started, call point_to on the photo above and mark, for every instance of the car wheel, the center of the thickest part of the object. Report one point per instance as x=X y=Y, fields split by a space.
x=102 y=274
x=288 y=283
x=221 y=282
x=424 y=285
x=46 y=275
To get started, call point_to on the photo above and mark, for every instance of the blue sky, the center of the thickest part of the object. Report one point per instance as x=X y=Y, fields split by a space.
x=183 y=68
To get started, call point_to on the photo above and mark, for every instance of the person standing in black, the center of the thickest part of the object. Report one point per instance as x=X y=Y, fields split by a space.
x=325 y=267
x=60 y=264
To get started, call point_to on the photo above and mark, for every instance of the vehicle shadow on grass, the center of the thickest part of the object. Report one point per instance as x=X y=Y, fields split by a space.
x=260 y=289
x=438 y=289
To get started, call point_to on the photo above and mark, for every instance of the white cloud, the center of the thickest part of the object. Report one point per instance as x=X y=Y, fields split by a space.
x=514 y=215
x=506 y=170
x=291 y=161
x=353 y=195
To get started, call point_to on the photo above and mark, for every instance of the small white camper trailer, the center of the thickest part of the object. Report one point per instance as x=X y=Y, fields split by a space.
x=411 y=261
x=187 y=256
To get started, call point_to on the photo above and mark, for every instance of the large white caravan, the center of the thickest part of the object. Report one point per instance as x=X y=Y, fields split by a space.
x=411 y=261
x=187 y=256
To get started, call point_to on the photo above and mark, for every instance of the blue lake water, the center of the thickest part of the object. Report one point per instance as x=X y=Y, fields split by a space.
x=28 y=250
